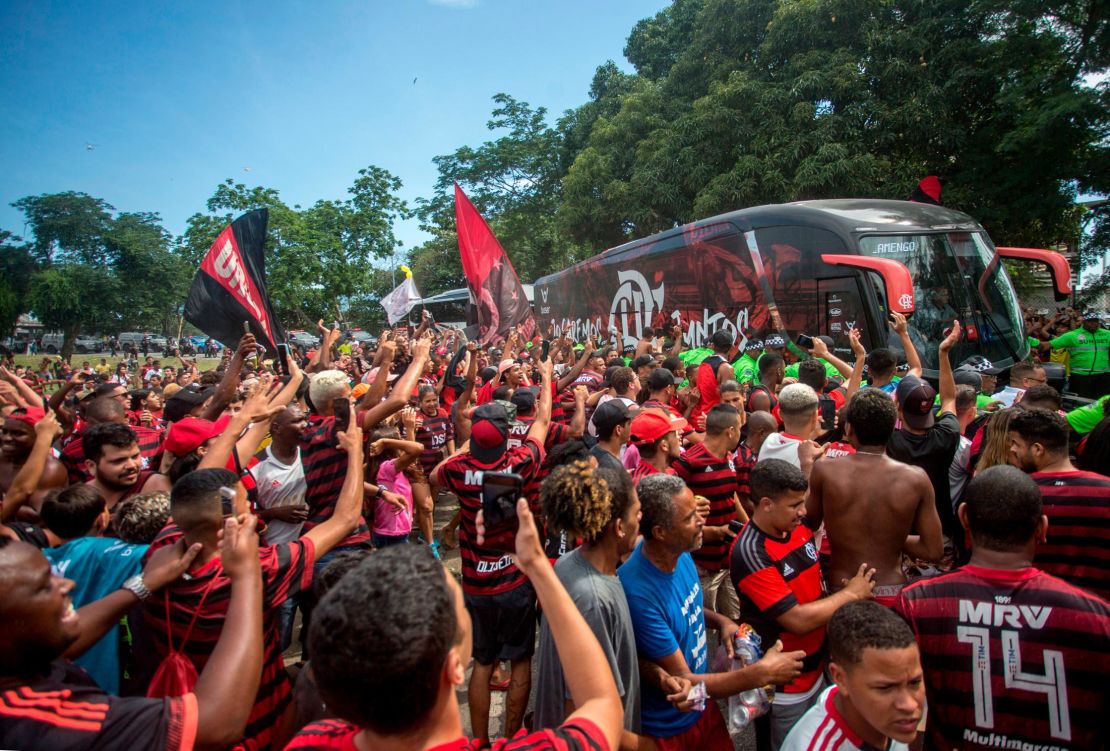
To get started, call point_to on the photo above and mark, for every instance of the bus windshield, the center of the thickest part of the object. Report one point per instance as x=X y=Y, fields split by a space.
x=955 y=276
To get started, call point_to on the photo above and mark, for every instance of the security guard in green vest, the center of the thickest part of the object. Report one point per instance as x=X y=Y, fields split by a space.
x=1089 y=356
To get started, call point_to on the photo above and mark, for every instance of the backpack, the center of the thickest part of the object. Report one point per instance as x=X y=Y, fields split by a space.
x=176 y=675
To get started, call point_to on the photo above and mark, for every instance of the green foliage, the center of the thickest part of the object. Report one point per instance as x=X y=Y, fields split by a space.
x=72 y=297
x=16 y=267
x=318 y=259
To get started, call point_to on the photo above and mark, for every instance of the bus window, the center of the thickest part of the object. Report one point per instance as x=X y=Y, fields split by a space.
x=952 y=279
x=791 y=260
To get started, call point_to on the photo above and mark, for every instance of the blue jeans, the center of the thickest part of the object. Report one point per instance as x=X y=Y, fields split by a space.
x=384 y=541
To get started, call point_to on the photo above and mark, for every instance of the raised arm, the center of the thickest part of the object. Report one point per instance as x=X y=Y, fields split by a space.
x=902 y=329
x=348 y=508
x=593 y=691
x=399 y=397
x=540 y=425
x=27 y=480
x=821 y=351
x=857 y=367
x=946 y=383
x=225 y=390
x=576 y=370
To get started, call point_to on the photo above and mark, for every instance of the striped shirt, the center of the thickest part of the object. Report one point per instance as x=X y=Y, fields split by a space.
x=325 y=470
x=1012 y=658
x=286 y=571
x=771 y=577
x=643 y=469
x=434 y=433
x=823 y=728
x=576 y=735
x=1077 y=505
x=72 y=455
x=486 y=571
x=744 y=460
x=714 y=478
x=65 y=709
x=556 y=433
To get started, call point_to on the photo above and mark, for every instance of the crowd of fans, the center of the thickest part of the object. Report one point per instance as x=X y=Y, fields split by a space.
x=918 y=564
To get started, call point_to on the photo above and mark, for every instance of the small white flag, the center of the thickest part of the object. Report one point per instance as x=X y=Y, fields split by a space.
x=400 y=301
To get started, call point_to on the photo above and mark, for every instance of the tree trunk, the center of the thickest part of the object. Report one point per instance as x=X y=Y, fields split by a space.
x=70 y=334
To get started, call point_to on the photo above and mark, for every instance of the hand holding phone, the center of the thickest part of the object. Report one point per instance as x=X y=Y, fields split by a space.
x=341 y=408
x=500 y=492
x=805 y=341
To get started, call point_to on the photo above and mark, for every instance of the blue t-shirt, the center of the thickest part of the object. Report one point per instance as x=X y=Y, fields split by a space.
x=666 y=615
x=98 y=567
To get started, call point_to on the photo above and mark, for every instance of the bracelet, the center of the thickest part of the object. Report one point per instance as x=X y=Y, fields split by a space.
x=380 y=493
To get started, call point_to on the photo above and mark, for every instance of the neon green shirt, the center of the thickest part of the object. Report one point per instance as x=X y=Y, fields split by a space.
x=1088 y=353
x=1084 y=419
x=745 y=369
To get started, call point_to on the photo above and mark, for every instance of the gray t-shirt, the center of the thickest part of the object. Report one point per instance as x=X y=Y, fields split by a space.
x=600 y=599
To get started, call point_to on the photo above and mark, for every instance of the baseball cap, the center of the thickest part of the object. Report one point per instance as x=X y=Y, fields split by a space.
x=373 y=374
x=628 y=348
x=981 y=364
x=489 y=432
x=524 y=399
x=504 y=366
x=611 y=414
x=29 y=415
x=650 y=425
x=187 y=434
x=753 y=344
x=965 y=376
x=774 y=341
x=659 y=379
x=916 y=397
x=1092 y=315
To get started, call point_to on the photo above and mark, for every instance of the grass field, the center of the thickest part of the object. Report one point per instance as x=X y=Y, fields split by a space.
x=78 y=361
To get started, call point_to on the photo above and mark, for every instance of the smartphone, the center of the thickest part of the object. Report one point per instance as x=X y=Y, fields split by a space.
x=500 y=492
x=246 y=327
x=545 y=350
x=283 y=358
x=828 y=412
x=341 y=407
x=227 y=500
x=805 y=341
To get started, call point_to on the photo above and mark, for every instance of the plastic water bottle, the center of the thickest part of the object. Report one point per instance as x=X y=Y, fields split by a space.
x=744 y=707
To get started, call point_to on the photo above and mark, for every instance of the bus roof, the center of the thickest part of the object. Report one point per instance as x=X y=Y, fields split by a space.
x=848 y=217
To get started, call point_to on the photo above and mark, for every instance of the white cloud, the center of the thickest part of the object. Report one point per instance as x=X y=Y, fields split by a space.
x=455 y=4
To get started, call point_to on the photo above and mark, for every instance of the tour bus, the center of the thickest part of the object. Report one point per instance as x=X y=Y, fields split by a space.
x=811 y=267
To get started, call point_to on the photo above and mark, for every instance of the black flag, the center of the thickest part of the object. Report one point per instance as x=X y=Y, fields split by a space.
x=230 y=286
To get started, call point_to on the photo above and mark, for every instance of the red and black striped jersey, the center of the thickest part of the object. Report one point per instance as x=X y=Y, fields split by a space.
x=714 y=478
x=1077 y=505
x=562 y=407
x=771 y=577
x=286 y=571
x=556 y=433
x=325 y=469
x=643 y=469
x=744 y=460
x=65 y=709
x=486 y=571
x=434 y=433
x=72 y=455
x=576 y=735
x=1012 y=659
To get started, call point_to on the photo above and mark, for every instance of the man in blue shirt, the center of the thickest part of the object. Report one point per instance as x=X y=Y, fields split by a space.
x=97 y=565
x=665 y=601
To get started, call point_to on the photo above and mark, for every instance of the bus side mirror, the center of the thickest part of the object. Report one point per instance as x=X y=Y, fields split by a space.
x=1057 y=265
x=896 y=278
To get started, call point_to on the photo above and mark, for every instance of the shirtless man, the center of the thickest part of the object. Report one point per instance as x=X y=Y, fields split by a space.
x=17 y=439
x=864 y=520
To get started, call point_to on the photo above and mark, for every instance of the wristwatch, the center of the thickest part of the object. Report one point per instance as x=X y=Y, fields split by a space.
x=380 y=493
x=136 y=586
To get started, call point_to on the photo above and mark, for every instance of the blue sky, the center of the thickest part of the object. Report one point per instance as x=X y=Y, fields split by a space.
x=174 y=98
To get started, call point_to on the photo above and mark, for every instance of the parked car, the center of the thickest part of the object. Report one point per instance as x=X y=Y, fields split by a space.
x=86 y=345
x=363 y=337
x=52 y=343
x=303 y=339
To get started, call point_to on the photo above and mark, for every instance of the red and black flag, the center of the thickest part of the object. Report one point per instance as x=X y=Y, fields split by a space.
x=494 y=286
x=230 y=286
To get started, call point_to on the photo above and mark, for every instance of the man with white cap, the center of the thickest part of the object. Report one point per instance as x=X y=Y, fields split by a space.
x=1088 y=356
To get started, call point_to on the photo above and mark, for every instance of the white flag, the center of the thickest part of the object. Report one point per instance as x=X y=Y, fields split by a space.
x=400 y=301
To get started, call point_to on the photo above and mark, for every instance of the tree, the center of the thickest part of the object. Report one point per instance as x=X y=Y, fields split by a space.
x=743 y=102
x=16 y=267
x=67 y=226
x=71 y=297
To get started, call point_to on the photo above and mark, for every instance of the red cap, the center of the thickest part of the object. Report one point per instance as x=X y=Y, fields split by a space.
x=651 y=425
x=29 y=415
x=186 y=435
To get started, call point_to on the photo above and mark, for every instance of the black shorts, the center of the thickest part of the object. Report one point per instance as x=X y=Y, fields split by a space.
x=504 y=624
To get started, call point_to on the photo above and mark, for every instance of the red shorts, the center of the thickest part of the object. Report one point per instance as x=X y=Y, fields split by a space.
x=887 y=594
x=709 y=733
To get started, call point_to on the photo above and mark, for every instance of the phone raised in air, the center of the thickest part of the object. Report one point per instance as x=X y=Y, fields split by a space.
x=828 y=412
x=341 y=408
x=545 y=350
x=500 y=492
x=283 y=358
x=805 y=341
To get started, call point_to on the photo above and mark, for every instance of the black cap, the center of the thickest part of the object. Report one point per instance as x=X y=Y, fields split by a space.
x=916 y=398
x=611 y=414
x=524 y=399
x=660 y=379
x=489 y=432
